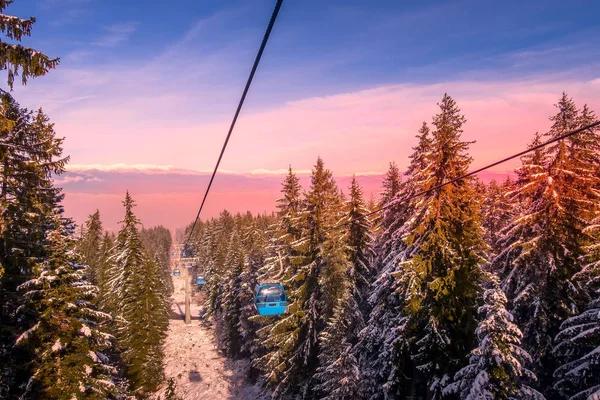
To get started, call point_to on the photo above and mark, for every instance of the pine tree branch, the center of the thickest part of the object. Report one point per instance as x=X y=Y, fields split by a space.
x=27 y=62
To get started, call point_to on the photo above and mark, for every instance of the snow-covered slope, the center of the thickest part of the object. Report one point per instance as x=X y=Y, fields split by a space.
x=192 y=359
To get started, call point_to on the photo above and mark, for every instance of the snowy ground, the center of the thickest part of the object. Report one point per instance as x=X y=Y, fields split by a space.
x=192 y=359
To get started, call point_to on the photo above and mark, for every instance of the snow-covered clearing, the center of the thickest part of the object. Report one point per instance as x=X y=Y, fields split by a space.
x=192 y=359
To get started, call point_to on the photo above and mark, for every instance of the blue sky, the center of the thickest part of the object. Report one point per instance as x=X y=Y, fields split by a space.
x=321 y=48
x=174 y=70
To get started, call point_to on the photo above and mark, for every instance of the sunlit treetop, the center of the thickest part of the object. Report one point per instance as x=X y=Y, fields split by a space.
x=19 y=60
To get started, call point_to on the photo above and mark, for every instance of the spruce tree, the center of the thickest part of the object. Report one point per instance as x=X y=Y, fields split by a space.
x=89 y=246
x=141 y=308
x=67 y=341
x=232 y=306
x=104 y=269
x=385 y=223
x=287 y=230
x=383 y=347
x=257 y=239
x=282 y=261
x=392 y=183
x=338 y=373
x=444 y=258
x=157 y=241
x=29 y=155
x=578 y=375
x=217 y=266
x=577 y=343
x=292 y=343
x=546 y=245
x=496 y=367
x=498 y=212
x=358 y=239
x=339 y=368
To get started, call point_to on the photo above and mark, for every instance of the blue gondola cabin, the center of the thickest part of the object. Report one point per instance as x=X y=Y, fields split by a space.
x=270 y=299
x=200 y=280
x=176 y=272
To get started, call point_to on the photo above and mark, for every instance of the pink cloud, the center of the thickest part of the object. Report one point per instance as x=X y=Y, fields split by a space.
x=358 y=131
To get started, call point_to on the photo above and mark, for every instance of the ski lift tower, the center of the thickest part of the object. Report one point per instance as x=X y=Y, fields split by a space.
x=187 y=262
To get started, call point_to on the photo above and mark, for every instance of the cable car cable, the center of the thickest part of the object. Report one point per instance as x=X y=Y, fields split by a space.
x=239 y=108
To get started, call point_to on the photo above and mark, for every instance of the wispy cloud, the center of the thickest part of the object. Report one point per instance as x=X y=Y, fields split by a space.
x=63 y=4
x=116 y=34
x=53 y=3
x=77 y=56
x=282 y=171
x=151 y=169
x=66 y=11
x=119 y=167
x=75 y=179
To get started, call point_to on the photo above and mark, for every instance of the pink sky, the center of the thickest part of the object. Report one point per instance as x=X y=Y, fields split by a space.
x=171 y=197
x=356 y=132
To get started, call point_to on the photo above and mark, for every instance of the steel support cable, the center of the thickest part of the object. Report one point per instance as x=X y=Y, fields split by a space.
x=239 y=108
x=472 y=173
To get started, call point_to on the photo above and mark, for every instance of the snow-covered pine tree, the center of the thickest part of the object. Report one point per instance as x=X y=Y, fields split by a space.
x=496 y=367
x=18 y=59
x=358 y=239
x=217 y=267
x=232 y=288
x=89 y=246
x=391 y=185
x=545 y=246
x=282 y=262
x=577 y=343
x=292 y=342
x=104 y=270
x=139 y=300
x=338 y=372
x=157 y=241
x=442 y=266
x=498 y=211
x=152 y=318
x=257 y=240
x=286 y=231
x=382 y=349
x=119 y=271
x=339 y=368
x=578 y=376
x=29 y=154
x=389 y=243
x=67 y=341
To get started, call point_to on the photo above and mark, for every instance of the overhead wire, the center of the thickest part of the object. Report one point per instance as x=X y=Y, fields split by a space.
x=237 y=112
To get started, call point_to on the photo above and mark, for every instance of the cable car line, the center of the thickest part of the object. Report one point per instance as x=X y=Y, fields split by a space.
x=472 y=173
x=239 y=108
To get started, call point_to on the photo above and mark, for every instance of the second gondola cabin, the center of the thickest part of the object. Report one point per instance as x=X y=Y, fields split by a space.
x=270 y=299
x=176 y=272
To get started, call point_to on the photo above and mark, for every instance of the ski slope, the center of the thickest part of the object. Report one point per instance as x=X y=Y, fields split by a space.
x=192 y=359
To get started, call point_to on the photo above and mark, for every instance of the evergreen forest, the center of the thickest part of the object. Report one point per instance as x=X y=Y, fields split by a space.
x=470 y=290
